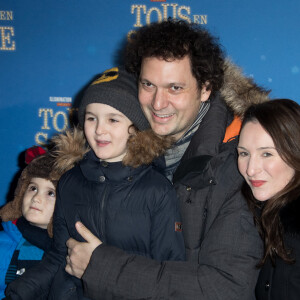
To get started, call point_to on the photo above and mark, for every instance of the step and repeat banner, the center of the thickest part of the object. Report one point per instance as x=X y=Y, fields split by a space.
x=50 y=51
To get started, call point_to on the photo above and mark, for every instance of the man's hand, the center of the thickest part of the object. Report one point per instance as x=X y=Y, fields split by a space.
x=79 y=254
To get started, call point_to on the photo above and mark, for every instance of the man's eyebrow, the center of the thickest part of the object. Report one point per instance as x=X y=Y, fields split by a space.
x=177 y=83
x=145 y=79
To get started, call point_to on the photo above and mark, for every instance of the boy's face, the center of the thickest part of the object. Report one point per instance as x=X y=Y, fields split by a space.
x=107 y=131
x=38 y=202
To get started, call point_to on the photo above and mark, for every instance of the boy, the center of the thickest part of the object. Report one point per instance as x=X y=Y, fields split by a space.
x=27 y=229
x=114 y=188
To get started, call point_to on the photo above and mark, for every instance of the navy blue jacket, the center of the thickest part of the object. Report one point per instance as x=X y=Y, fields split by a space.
x=133 y=209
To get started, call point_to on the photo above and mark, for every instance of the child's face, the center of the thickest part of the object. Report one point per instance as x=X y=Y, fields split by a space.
x=38 y=202
x=107 y=131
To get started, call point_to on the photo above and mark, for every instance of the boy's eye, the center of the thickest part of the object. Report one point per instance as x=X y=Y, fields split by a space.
x=51 y=193
x=113 y=120
x=32 y=188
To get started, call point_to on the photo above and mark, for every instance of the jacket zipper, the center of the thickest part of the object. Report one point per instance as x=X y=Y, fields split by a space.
x=102 y=225
x=205 y=212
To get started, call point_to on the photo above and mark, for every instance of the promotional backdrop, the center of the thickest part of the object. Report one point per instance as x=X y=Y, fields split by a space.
x=51 y=49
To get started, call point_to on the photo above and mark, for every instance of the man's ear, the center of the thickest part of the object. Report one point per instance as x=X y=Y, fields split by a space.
x=205 y=94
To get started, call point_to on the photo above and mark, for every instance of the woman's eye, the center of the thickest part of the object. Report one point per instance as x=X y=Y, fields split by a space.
x=243 y=154
x=267 y=154
x=90 y=119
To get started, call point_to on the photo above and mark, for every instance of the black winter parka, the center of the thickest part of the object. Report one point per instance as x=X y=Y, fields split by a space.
x=133 y=209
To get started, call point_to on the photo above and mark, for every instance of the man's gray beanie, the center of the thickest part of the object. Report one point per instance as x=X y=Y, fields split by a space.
x=117 y=88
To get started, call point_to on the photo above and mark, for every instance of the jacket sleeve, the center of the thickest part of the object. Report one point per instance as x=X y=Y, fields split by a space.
x=35 y=283
x=166 y=234
x=225 y=269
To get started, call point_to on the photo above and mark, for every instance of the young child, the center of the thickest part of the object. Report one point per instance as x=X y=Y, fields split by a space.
x=113 y=190
x=26 y=219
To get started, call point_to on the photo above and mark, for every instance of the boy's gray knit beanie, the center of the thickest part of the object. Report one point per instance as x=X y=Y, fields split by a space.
x=117 y=88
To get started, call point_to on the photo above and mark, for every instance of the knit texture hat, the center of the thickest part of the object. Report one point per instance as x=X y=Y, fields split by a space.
x=117 y=88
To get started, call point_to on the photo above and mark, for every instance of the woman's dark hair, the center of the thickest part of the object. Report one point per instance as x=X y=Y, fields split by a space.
x=281 y=120
x=174 y=39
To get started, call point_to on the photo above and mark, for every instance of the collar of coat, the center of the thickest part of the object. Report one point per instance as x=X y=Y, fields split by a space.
x=93 y=168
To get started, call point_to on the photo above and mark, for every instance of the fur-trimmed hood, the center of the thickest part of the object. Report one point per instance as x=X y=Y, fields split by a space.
x=239 y=91
x=222 y=122
x=143 y=147
x=68 y=148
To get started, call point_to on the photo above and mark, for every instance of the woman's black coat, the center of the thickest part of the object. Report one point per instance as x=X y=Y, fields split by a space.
x=282 y=282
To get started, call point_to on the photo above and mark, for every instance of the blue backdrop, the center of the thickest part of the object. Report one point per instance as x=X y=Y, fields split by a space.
x=50 y=50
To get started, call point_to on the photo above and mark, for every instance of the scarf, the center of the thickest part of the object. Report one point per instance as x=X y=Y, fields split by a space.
x=173 y=156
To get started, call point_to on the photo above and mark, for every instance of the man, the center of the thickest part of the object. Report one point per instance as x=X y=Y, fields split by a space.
x=187 y=91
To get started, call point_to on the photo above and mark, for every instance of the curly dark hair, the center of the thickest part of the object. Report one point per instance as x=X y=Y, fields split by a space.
x=174 y=39
x=281 y=120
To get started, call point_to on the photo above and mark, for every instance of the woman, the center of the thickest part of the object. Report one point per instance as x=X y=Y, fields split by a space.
x=269 y=160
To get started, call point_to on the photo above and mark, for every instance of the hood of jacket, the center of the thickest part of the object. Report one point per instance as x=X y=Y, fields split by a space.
x=239 y=92
x=71 y=146
x=234 y=98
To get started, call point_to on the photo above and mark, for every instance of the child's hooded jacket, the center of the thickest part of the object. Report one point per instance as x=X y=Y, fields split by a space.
x=135 y=209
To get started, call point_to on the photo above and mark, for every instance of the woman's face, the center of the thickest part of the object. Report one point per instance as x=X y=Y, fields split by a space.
x=260 y=164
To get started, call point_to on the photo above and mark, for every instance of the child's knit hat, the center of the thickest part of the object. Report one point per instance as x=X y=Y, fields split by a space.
x=117 y=88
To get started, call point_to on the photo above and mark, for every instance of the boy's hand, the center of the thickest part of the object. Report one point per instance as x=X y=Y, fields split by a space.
x=79 y=253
